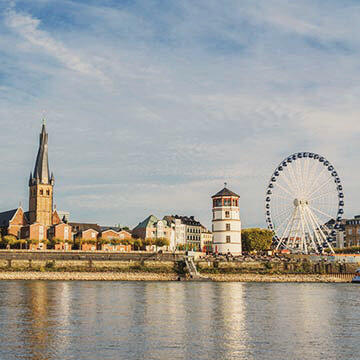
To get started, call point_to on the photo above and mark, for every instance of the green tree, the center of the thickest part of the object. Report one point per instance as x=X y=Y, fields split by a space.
x=256 y=239
x=137 y=244
x=160 y=242
x=8 y=240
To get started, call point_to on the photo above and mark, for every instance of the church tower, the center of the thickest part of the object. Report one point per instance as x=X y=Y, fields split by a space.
x=41 y=186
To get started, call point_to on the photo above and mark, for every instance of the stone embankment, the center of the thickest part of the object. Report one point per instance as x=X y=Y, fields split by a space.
x=88 y=276
x=146 y=276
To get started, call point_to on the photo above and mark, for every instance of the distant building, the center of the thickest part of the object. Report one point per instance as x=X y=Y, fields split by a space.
x=206 y=240
x=352 y=232
x=152 y=228
x=226 y=224
x=178 y=235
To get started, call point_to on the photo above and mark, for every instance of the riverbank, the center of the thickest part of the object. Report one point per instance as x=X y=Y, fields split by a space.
x=146 y=276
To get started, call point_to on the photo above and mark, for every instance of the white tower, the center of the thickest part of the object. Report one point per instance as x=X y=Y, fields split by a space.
x=226 y=224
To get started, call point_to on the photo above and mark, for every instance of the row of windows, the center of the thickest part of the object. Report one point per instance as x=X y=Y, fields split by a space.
x=228 y=227
x=350 y=231
x=193 y=237
x=191 y=230
x=41 y=192
x=225 y=202
x=227 y=215
x=353 y=222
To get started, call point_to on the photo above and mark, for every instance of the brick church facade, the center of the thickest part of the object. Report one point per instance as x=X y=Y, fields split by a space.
x=42 y=221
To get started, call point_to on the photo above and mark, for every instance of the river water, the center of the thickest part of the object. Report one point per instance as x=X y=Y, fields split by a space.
x=178 y=320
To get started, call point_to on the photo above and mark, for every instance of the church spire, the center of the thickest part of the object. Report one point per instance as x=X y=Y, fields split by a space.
x=41 y=174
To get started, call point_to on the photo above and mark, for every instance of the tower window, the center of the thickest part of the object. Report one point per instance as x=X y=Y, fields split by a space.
x=227 y=214
x=41 y=192
x=227 y=202
x=227 y=227
x=218 y=202
x=48 y=192
x=228 y=239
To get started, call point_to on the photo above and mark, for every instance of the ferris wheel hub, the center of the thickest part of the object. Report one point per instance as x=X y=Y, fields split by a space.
x=298 y=202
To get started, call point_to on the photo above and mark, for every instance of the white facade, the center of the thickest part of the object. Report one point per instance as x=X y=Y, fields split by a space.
x=226 y=224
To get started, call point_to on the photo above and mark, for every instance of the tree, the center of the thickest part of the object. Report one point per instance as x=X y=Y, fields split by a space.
x=8 y=240
x=160 y=242
x=256 y=239
x=149 y=241
x=137 y=244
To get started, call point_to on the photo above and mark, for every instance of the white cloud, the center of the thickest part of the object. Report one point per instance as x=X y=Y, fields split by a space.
x=28 y=28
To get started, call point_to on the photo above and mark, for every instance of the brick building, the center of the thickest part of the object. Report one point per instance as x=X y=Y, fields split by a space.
x=41 y=222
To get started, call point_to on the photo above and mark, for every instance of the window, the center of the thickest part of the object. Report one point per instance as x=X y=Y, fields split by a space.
x=227 y=227
x=227 y=214
x=350 y=231
x=41 y=232
x=93 y=235
x=218 y=202
x=228 y=239
x=41 y=192
x=227 y=202
x=66 y=233
x=47 y=192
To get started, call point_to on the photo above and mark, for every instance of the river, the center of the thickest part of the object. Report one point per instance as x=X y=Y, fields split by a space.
x=178 y=320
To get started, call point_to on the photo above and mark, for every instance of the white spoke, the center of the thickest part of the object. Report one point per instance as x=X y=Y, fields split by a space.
x=321 y=196
x=281 y=187
x=317 y=190
x=283 y=197
x=321 y=212
x=317 y=178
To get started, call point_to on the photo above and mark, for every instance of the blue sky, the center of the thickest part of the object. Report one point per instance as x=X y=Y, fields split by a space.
x=152 y=105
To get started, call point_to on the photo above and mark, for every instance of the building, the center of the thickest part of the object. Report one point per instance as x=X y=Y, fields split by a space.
x=226 y=224
x=352 y=232
x=152 y=228
x=206 y=240
x=178 y=234
x=41 y=222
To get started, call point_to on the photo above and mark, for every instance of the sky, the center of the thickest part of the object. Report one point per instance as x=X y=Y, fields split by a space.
x=152 y=105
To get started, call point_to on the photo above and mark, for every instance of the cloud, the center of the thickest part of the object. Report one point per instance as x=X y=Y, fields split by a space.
x=201 y=93
x=28 y=27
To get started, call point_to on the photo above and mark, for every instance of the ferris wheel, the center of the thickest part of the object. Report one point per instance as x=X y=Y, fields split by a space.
x=304 y=203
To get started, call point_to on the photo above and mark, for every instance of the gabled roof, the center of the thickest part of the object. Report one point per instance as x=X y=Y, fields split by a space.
x=225 y=192
x=148 y=222
x=6 y=216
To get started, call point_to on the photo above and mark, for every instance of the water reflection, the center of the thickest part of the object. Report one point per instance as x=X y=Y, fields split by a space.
x=115 y=320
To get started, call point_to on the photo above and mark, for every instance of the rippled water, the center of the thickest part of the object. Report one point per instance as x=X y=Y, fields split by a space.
x=170 y=320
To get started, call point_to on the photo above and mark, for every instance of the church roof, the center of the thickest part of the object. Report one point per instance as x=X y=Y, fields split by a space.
x=225 y=192
x=41 y=172
x=6 y=216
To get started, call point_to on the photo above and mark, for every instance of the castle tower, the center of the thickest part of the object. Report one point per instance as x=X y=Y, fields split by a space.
x=226 y=224
x=41 y=186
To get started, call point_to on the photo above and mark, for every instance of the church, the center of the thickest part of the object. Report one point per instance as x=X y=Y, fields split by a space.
x=42 y=221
